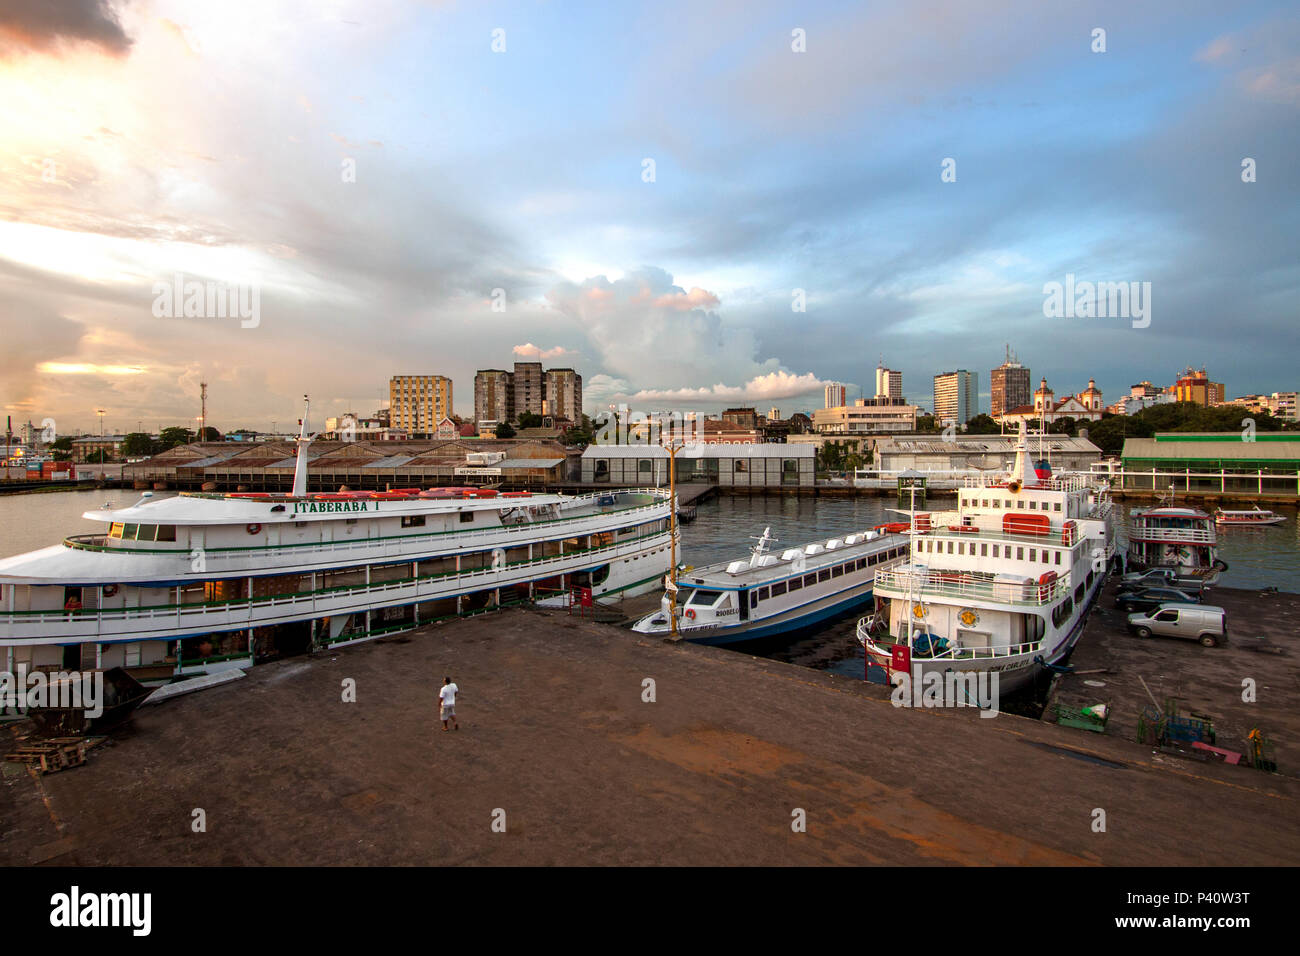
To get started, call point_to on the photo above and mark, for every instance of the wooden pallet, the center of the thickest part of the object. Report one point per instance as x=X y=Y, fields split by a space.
x=54 y=754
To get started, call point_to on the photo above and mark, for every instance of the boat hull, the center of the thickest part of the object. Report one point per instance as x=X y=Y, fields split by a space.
x=779 y=624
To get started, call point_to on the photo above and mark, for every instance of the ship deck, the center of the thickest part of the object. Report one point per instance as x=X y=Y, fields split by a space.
x=708 y=775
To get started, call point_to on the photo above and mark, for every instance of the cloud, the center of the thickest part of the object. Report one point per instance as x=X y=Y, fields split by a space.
x=530 y=351
x=761 y=388
x=47 y=26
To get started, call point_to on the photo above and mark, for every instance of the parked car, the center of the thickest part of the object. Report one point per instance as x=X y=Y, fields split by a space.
x=1160 y=578
x=1201 y=623
x=1146 y=599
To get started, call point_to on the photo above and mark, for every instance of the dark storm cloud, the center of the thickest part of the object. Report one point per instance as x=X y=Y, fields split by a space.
x=45 y=25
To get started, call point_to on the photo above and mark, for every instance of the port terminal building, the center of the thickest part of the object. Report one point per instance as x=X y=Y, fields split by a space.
x=1229 y=463
x=729 y=465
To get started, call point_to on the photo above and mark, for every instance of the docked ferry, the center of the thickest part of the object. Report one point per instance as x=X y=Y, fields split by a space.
x=1181 y=538
x=1249 y=519
x=773 y=593
x=198 y=582
x=1003 y=583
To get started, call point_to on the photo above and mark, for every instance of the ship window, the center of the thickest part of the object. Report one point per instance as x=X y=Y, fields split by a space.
x=1058 y=557
x=762 y=594
x=837 y=571
x=753 y=599
x=778 y=589
x=129 y=531
x=166 y=532
x=1020 y=554
x=950 y=547
x=809 y=580
x=412 y=521
x=861 y=564
x=1056 y=506
x=1033 y=554
x=702 y=597
x=1033 y=506
x=466 y=517
x=823 y=575
x=984 y=550
x=1020 y=505
x=796 y=584
x=984 y=503
x=116 y=530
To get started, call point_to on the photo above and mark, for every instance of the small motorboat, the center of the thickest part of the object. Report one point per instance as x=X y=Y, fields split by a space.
x=1256 y=516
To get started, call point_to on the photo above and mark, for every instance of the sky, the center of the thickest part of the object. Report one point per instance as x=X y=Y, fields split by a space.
x=696 y=205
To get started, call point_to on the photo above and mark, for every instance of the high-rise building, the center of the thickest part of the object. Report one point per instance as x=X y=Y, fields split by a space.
x=956 y=396
x=1194 y=385
x=564 y=394
x=418 y=402
x=494 y=395
x=774 y=414
x=530 y=388
x=1009 y=386
x=889 y=383
x=834 y=395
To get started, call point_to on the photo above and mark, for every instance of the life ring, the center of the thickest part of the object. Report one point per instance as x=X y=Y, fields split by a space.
x=110 y=590
x=690 y=613
x=254 y=529
x=1219 y=564
x=1013 y=486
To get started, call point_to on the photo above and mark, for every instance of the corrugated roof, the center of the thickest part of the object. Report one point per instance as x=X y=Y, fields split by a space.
x=704 y=450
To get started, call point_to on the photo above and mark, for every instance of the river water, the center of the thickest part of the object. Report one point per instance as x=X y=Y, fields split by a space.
x=724 y=529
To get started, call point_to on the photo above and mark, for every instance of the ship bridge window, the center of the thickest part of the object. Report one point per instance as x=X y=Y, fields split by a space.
x=702 y=598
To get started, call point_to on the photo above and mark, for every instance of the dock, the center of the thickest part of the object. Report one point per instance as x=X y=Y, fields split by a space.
x=1112 y=666
x=565 y=744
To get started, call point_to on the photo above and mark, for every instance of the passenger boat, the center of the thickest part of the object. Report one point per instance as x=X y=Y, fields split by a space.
x=1248 y=518
x=774 y=593
x=1180 y=538
x=195 y=583
x=1002 y=584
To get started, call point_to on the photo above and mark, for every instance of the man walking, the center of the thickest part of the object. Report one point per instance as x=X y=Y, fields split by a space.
x=448 y=697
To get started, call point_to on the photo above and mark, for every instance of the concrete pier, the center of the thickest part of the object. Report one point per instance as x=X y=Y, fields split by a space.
x=558 y=741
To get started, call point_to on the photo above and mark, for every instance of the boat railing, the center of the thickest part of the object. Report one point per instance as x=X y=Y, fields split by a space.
x=1178 y=535
x=1054 y=537
x=963 y=584
x=423 y=587
x=955 y=651
x=486 y=536
x=1066 y=483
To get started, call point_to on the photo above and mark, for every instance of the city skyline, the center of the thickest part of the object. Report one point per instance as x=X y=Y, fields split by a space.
x=338 y=183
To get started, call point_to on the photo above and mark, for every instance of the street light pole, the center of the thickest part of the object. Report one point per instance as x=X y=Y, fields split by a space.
x=673 y=449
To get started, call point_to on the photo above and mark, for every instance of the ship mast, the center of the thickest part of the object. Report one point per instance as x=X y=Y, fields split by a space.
x=303 y=440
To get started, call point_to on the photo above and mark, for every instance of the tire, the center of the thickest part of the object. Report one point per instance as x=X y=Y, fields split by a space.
x=1219 y=564
x=1208 y=640
x=1143 y=632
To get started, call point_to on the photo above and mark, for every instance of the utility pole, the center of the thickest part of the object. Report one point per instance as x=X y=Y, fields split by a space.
x=203 y=410
x=673 y=448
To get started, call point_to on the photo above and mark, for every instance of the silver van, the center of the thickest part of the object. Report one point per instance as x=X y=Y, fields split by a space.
x=1198 y=622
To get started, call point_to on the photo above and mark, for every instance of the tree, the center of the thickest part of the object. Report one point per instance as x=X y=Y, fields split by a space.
x=139 y=445
x=1061 y=426
x=62 y=448
x=583 y=433
x=505 y=431
x=530 y=420
x=927 y=424
x=176 y=435
x=983 y=425
x=210 y=434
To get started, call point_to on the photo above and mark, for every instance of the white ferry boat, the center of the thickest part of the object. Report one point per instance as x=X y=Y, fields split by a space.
x=203 y=582
x=1169 y=536
x=1253 y=518
x=771 y=593
x=1003 y=583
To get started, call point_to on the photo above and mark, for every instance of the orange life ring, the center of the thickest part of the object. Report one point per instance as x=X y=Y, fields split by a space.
x=254 y=529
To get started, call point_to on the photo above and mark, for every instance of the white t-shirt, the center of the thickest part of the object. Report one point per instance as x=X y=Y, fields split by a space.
x=448 y=695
